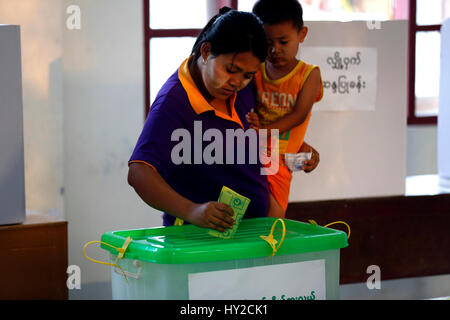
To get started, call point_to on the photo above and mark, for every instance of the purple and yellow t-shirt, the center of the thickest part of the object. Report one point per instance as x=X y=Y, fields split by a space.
x=206 y=162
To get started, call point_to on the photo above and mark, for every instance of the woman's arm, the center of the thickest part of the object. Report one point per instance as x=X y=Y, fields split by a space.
x=155 y=191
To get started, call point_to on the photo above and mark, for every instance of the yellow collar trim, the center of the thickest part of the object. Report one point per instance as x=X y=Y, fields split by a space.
x=285 y=78
x=196 y=99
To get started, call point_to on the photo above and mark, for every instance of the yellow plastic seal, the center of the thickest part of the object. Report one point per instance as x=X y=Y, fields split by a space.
x=119 y=256
x=178 y=222
x=271 y=240
x=330 y=224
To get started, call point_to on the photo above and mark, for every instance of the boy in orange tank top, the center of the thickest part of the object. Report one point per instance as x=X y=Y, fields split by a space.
x=287 y=90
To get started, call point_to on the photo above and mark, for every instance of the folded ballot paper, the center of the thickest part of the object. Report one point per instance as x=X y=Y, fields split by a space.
x=239 y=204
x=295 y=161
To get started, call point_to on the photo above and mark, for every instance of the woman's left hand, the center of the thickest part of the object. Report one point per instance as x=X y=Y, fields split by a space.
x=253 y=120
x=310 y=165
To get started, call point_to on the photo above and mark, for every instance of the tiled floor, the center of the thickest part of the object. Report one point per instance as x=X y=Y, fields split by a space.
x=434 y=287
x=400 y=289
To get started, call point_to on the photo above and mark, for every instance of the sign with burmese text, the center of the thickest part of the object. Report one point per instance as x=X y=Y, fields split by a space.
x=289 y=281
x=349 y=76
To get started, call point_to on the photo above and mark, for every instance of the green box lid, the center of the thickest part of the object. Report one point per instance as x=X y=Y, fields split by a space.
x=191 y=244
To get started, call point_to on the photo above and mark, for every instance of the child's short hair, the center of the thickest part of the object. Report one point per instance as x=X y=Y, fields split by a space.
x=277 y=11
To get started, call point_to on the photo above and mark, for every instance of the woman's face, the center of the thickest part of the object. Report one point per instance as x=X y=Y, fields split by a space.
x=225 y=74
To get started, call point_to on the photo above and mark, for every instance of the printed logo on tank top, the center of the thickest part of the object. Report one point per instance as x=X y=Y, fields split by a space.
x=278 y=100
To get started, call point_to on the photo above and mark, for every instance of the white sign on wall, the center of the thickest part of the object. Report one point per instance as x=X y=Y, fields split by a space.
x=349 y=76
x=289 y=281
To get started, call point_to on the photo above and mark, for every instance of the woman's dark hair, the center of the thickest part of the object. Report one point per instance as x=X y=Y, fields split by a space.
x=233 y=31
x=277 y=11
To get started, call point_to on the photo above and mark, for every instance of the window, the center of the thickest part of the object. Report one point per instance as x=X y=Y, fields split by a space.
x=170 y=34
x=425 y=19
x=338 y=10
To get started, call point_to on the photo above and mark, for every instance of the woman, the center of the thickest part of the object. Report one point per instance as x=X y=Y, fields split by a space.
x=208 y=93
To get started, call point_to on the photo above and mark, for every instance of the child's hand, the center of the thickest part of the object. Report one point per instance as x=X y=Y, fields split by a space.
x=253 y=120
x=310 y=165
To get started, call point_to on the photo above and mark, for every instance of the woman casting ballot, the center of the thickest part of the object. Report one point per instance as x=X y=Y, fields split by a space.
x=209 y=91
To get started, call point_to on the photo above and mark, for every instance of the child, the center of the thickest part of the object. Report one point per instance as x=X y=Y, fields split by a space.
x=287 y=89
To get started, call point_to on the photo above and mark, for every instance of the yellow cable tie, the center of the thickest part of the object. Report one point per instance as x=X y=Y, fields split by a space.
x=178 y=222
x=270 y=239
x=119 y=256
x=124 y=247
x=336 y=222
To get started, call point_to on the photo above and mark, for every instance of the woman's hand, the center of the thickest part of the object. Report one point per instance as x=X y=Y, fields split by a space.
x=214 y=215
x=310 y=165
x=253 y=120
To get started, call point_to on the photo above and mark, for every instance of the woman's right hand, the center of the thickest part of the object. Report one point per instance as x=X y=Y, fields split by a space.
x=214 y=215
x=155 y=191
x=253 y=120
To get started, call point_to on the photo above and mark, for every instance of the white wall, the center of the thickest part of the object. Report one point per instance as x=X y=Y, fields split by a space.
x=83 y=95
x=103 y=115
x=363 y=153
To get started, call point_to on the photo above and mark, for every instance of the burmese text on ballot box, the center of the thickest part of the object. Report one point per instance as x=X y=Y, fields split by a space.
x=266 y=259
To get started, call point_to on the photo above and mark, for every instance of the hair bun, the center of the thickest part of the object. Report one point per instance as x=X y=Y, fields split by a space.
x=224 y=10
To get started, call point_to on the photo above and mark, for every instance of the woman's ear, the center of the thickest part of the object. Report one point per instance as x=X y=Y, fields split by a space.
x=205 y=51
x=302 y=34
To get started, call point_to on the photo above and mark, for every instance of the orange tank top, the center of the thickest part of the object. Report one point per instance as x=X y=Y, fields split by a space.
x=276 y=98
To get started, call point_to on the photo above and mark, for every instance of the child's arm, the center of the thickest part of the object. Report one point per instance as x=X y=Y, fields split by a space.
x=275 y=210
x=303 y=105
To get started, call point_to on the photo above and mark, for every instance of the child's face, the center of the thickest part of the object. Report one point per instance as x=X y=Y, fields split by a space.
x=283 y=39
